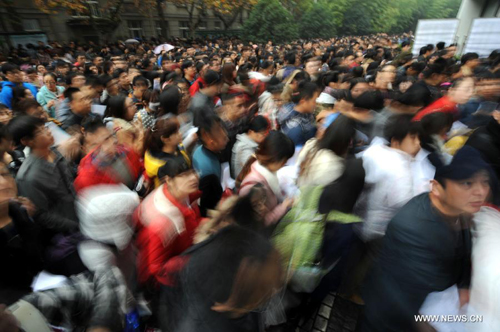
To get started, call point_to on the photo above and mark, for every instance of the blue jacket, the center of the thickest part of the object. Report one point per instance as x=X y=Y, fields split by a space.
x=6 y=94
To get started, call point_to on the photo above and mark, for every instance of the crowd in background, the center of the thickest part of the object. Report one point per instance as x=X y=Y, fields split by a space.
x=228 y=186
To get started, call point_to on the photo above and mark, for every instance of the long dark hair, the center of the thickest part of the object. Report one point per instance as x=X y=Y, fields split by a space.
x=276 y=147
x=337 y=138
x=116 y=107
x=163 y=127
x=170 y=99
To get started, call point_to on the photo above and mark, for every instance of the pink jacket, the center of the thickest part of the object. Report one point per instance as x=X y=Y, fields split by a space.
x=276 y=209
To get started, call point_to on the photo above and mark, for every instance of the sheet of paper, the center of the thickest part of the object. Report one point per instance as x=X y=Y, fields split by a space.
x=45 y=280
x=59 y=135
x=98 y=109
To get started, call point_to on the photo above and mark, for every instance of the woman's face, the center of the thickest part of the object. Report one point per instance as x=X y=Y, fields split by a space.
x=461 y=93
x=28 y=94
x=41 y=69
x=185 y=183
x=130 y=109
x=359 y=89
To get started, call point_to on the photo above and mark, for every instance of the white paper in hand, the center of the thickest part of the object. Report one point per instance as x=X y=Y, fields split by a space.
x=59 y=135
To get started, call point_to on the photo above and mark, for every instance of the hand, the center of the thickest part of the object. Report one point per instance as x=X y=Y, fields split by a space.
x=288 y=202
x=28 y=205
x=8 y=322
x=464 y=296
x=51 y=103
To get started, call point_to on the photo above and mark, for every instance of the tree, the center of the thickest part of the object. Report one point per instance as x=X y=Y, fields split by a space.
x=317 y=22
x=269 y=20
x=196 y=10
x=228 y=10
x=104 y=25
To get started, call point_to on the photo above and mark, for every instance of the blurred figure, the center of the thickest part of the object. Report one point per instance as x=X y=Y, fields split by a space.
x=271 y=155
x=162 y=144
x=299 y=124
x=223 y=290
x=247 y=143
x=426 y=247
x=270 y=102
x=459 y=93
x=108 y=163
x=166 y=222
x=484 y=280
x=49 y=94
x=477 y=111
x=213 y=137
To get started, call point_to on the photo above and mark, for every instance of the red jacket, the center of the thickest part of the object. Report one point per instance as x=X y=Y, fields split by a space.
x=90 y=174
x=165 y=229
x=443 y=104
x=193 y=89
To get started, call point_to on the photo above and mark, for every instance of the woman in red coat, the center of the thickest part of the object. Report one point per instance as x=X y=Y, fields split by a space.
x=166 y=222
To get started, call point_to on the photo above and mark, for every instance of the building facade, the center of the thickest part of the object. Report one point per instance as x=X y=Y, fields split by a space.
x=23 y=22
x=472 y=9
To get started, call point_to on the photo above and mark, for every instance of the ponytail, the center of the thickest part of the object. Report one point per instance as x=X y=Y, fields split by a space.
x=245 y=170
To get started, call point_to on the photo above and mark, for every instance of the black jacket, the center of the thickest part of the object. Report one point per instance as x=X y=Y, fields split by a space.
x=487 y=141
x=421 y=253
x=50 y=187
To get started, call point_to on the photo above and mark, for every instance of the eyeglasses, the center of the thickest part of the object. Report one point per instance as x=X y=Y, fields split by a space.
x=50 y=82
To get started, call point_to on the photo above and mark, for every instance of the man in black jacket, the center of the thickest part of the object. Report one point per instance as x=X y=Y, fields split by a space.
x=487 y=141
x=427 y=245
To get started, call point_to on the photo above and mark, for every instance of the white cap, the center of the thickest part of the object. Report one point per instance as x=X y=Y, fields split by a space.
x=326 y=98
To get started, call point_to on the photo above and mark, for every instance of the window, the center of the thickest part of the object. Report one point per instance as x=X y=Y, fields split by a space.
x=218 y=25
x=203 y=25
x=93 y=6
x=31 y=25
x=184 y=25
x=158 y=27
x=135 y=28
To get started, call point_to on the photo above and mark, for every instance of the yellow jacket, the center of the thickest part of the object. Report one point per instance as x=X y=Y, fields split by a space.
x=152 y=164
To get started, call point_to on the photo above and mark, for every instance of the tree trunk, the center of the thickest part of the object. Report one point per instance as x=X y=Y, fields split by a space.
x=161 y=14
x=94 y=25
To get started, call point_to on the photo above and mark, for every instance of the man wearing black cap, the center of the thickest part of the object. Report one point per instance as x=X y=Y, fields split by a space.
x=427 y=245
x=204 y=99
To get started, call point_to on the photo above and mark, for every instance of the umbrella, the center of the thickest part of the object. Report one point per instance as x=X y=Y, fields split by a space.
x=163 y=47
x=131 y=41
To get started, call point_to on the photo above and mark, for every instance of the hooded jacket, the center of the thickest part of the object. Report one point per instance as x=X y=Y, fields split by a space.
x=45 y=95
x=165 y=228
x=6 y=94
x=243 y=149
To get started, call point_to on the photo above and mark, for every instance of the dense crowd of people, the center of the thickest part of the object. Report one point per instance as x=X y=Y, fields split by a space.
x=227 y=186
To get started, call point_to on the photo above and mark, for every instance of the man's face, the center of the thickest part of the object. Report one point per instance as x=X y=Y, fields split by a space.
x=191 y=51
x=215 y=66
x=139 y=88
x=14 y=76
x=488 y=89
x=167 y=65
x=217 y=139
x=112 y=87
x=465 y=196
x=190 y=71
x=106 y=140
x=63 y=70
x=80 y=59
x=42 y=139
x=37 y=112
x=78 y=81
x=81 y=103
x=312 y=67
x=98 y=61
x=121 y=64
x=5 y=115
x=124 y=80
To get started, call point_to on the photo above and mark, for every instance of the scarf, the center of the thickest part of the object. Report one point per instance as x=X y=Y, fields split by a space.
x=271 y=179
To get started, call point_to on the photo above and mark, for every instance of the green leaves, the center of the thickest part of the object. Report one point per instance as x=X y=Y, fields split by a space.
x=288 y=19
x=269 y=20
